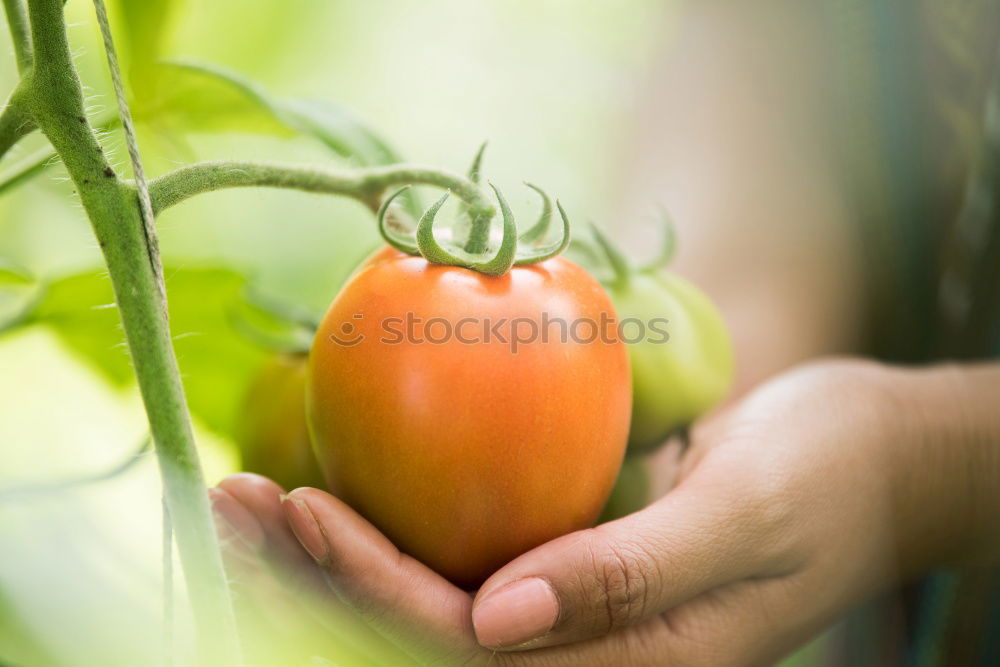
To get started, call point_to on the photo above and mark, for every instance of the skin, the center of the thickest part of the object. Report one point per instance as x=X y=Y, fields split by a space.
x=468 y=454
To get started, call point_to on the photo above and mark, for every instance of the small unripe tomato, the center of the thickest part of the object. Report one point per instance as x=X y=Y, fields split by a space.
x=677 y=377
x=464 y=449
x=273 y=438
x=682 y=364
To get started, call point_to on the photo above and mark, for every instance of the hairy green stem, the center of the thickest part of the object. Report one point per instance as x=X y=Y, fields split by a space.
x=17 y=21
x=15 y=122
x=479 y=234
x=55 y=103
x=366 y=185
x=38 y=162
x=476 y=227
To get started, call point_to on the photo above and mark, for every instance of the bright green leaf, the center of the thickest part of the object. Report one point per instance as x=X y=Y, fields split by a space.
x=142 y=26
x=333 y=125
x=188 y=100
x=216 y=361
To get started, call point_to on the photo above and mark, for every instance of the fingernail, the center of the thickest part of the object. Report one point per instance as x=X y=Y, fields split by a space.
x=516 y=613
x=236 y=529
x=305 y=527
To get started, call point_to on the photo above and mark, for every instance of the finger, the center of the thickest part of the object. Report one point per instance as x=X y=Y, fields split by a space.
x=262 y=497
x=281 y=550
x=240 y=533
x=399 y=596
x=258 y=599
x=283 y=597
x=702 y=535
x=244 y=531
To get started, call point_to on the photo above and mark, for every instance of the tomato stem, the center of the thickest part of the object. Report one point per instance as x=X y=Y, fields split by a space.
x=20 y=35
x=51 y=95
x=15 y=122
x=367 y=185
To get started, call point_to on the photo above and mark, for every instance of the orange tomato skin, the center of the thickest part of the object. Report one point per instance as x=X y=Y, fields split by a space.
x=468 y=454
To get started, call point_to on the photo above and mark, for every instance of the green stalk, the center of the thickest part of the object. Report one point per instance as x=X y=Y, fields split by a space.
x=17 y=21
x=15 y=123
x=366 y=185
x=55 y=102
x=479 y=233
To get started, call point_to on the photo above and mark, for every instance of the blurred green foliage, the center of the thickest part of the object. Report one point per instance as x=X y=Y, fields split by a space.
x=80 y=308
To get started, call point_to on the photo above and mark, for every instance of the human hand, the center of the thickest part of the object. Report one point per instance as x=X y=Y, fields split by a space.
x=804 y=498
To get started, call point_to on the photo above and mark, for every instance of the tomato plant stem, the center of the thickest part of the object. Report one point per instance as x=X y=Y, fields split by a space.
x=55 y=102
x=17 y=21
x=479 y=233
x=15 y=123
x=366 y=185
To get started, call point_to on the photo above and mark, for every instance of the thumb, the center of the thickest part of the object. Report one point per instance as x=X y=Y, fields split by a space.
x=594 y=581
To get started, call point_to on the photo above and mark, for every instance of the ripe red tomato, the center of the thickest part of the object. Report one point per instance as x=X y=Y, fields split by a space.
x=465 y=448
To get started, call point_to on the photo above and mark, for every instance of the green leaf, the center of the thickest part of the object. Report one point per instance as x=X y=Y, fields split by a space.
x=143 y=26
x=81 y=310
x=216 y=361
x=188 y=100
x=336 y=127
x=339 y=129
x=208 y=97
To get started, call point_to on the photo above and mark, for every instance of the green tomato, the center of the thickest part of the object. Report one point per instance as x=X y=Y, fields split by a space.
x=682 y=364
x=678 y=375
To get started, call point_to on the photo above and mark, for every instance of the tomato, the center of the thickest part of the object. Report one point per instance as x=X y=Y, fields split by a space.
x=274 y=437
x=679 y=376
x=463 y=447
x=682 y=363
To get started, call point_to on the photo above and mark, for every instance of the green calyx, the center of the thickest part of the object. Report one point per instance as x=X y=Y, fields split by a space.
x=474 y=225
x=602 y=250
